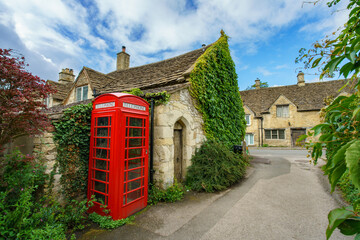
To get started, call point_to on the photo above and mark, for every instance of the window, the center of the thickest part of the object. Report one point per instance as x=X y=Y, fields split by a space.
x=81 y=93
x=47 y=101
x=282 y=111
x=247 y=118
x=275 y=134
x=249 y=139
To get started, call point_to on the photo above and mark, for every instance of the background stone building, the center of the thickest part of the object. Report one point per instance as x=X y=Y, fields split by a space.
x=277 y=116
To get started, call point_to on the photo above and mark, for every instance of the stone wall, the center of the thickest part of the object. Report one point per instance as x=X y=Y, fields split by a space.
x=179 y=109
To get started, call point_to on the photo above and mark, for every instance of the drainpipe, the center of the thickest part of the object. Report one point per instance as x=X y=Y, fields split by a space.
x=262 y=132
x=152 y=105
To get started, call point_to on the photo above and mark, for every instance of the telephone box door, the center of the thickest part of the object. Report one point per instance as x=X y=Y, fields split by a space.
x=135 y=162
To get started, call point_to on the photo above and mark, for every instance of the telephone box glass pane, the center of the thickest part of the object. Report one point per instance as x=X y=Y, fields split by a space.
x=133 y=195
x=101 y=142
x=136 y=122
x=100 y=164
x=134 y=174
x=133 y=153
x=100 y=198
x=102 y=132
x=100 y=176
x=135 y=132
x=135 y=142
x=134 y=185
x=103 y=121
x=134 y=163
x=101 y=187
x=101 y=153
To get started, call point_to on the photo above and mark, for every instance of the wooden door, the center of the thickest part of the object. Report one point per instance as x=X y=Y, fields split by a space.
x=178 y=154
x=295 y=134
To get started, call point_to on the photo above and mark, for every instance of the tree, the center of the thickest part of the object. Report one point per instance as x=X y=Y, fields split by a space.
x=262 y=85
x=21 y=98
x=340 y=132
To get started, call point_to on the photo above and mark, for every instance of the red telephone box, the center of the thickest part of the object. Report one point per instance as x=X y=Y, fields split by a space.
x=118 y=162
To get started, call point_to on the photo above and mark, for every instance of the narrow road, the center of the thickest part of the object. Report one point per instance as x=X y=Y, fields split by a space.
x=283 y=197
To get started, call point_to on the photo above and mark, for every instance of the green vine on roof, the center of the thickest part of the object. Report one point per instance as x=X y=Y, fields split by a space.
x=214 y=86
x=160 y=97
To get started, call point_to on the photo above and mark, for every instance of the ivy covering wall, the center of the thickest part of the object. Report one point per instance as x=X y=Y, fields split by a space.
x=214 y=85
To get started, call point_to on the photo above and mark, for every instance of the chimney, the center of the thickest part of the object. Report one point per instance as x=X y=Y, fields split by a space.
x=257 y=83
x=300 y=79
x=66 y=76
x=123 y=60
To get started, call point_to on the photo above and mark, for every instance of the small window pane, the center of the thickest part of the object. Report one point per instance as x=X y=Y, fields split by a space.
x=134 y=174
x=281 y=134
x=274 y=134
x=101 y=187
x=100 y=164
x=78 y=94
x=100 y=198
x=134 y=163
x=133 y=185
x=85 y=93
x=135 y=132
x=136 y=122
x=133 y=153
x=102 y=153
x=267 y=134
x=247 y=118
x=133 y=195
x=103 y=121
x=135 y=142
x=102 y=132
x=101 y=142
x=99 y=175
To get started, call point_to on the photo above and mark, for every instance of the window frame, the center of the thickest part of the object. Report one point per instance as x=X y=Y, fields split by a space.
x=251 y=143
x=270 y=133
x=282 y=107
x=81 y=88
x=248 y=123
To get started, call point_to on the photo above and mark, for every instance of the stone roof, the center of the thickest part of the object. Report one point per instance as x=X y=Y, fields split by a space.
x=62 y=89
x=306 y=98
x=155 y=76
x=97 y=79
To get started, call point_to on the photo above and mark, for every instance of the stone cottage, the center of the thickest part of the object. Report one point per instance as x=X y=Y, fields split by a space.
x=277 y=116
x=178 y=125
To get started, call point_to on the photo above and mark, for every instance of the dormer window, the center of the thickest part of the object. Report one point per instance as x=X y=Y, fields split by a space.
x=81 y=93
x=282 y=111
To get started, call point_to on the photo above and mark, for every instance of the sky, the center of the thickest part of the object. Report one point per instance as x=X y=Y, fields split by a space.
x=265 y=35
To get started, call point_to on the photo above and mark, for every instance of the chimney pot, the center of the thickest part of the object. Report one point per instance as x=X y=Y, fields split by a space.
x=257 y=83
x=300 y=79
x=123 y=48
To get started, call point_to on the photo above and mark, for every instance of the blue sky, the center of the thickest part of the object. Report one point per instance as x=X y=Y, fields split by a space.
x=265 y=35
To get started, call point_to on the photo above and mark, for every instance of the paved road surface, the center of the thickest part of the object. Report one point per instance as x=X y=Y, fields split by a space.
x=283 y=197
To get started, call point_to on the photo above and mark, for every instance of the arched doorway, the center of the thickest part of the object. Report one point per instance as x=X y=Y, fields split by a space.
x=178 y=151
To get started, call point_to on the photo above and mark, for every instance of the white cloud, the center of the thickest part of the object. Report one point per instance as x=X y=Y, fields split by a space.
x=283 y=66
x=264 y=71
x=65 y=32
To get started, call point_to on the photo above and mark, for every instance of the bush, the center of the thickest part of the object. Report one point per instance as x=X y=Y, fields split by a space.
x=350 y=192
x=214 y=168
x=26 y=212
x=107 y=222
x=172 y=194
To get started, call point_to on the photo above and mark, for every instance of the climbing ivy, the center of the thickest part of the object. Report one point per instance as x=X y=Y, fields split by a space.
x=214 y=86
x=72 y=136
x=160 y=97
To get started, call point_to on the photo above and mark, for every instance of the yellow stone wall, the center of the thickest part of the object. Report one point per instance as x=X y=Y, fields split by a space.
x=81 y=81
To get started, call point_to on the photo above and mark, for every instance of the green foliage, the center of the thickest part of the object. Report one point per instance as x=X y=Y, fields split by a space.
x=72 y=136
x=160 y=97
x=214 y=86
x=214 y=168
x=340 y=132
x=172 y=194
x=107 y=222
x=350 y=192
x=26 y=212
